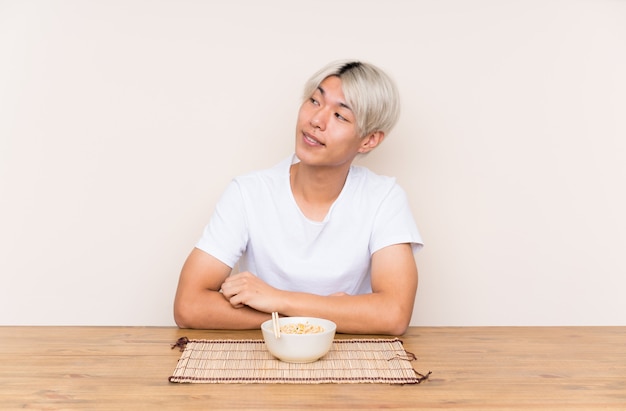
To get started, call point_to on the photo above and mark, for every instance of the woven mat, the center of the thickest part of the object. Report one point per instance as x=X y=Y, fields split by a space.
x=248 y=361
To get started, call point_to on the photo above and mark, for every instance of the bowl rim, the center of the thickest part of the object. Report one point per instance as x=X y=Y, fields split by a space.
x=329 y=326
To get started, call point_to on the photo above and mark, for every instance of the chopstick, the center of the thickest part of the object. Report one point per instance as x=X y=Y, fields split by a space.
x=276 y=324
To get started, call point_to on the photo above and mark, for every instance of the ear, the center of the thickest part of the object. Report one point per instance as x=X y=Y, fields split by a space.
x=371 y=141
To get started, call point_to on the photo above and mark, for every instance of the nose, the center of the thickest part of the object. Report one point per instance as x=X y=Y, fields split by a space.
x=318 y=120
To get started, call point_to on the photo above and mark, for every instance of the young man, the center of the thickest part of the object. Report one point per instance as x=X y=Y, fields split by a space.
x=314 y=236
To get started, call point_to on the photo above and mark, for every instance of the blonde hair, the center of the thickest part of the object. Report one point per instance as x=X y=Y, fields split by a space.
x=369 y=91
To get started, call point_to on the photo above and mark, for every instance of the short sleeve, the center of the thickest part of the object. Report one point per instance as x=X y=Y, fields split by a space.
x=394 y=222
x=226 y=235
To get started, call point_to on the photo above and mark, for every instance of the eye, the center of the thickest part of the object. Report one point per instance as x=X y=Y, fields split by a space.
x=340 y=117
x=314 y=101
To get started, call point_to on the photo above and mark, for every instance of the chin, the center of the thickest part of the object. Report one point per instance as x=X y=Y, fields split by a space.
x=302 y=152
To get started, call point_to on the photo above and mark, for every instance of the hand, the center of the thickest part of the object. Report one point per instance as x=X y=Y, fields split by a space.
x=246 y=289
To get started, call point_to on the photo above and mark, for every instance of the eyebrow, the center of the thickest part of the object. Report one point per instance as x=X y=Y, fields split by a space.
x=323 y=92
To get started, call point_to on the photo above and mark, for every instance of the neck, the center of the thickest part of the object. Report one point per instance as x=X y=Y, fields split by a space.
x=316 y=188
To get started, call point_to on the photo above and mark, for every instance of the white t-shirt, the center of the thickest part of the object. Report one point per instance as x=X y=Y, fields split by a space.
x=258 y=223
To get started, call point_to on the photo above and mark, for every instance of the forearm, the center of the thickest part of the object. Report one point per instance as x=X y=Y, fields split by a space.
x=373 y=313
x=210 y=310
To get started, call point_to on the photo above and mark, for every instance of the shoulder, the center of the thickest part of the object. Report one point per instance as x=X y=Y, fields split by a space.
x=368 y=181
x=378 y=192
x=263 y=180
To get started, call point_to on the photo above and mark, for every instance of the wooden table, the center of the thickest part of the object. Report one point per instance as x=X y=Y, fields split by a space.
x=474 y=368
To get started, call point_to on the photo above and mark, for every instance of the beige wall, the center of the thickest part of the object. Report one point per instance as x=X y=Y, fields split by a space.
x=122 y=121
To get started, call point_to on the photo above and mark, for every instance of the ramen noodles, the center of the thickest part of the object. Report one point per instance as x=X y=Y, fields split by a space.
x=301 y=328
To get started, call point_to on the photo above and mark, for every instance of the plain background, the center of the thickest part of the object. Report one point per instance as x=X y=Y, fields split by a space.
x=121 y=122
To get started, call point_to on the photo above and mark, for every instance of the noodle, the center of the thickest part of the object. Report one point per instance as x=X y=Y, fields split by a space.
x=301 y=328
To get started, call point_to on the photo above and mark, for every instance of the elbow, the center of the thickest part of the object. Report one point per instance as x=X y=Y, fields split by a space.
x=398 y=323
x=180 y=322
x=398 y=328
x=182 y=316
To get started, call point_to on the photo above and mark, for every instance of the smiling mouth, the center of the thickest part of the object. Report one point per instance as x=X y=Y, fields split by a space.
x=311 y=140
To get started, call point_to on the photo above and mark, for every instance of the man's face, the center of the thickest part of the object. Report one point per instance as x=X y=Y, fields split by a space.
x=326 y=131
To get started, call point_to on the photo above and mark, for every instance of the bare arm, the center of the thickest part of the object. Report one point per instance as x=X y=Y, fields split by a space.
x=387 y=310
x=198 y=302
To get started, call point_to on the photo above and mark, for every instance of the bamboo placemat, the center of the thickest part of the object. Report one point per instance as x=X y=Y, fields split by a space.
x=249 y=361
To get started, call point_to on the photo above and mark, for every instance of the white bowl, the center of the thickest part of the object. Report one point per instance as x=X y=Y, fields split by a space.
x=299 y=348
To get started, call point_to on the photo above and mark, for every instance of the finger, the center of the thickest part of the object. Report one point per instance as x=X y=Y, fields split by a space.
x=229 y=290
x=235 y=282
x=224 y=289
x=238 y=276
x=235 y=301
